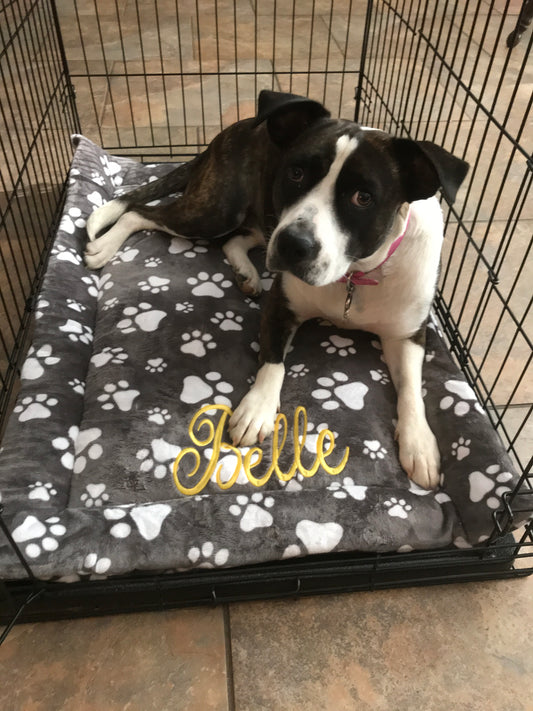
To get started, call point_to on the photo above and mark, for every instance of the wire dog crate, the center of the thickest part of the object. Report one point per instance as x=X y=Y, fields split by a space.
x=157 y=80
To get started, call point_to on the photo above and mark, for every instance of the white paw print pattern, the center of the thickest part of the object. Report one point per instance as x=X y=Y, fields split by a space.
x=266 y=280
x=68 y=254
x=143 y=316
x=91 y=281
x=337 y=345
x=348 y=488
x=148 y=519
x=158 y=415
x=40 y=308
x=209 y=284
x=110 y=304
x=97 y=178
x=462 y=399
x=154 y=284
x=489 y=486
x=197 y=343
x=299 y=370
x=116 y=355
x=35 y=407
x=118 y=395
x=380 y=376
x=461 y=448
x=77 y=385
x=76 y=305
x=94 y=496
x=112 y=170
x=252 y=303
x=185 y=308
x=196 y=389
x=337 y=389
x=125 y=255
x=155 y=365
x=228 y=321
x=253 y=511
x=42 y=492
x=151 y=262
x=181 y=245
x=205 y=557
x=42 y=535
x=398 y=508
x=312 y=436
x=104 y=284
x=373 y=449
x=71 y=221
x=85 y=447
x=66 y=445
x=77 y=332
x=158 y=458
x=36 y=359
x=93 y=564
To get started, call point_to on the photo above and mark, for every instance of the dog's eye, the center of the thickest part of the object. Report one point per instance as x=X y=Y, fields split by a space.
x=296 y=174
x=361 y=199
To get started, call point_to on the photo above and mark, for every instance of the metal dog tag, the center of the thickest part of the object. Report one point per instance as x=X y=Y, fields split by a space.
x=349 y=296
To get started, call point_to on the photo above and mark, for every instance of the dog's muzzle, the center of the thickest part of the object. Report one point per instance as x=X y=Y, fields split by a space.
x=294 y=249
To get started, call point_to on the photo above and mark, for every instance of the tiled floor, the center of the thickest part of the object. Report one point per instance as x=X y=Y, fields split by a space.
x=458 y=647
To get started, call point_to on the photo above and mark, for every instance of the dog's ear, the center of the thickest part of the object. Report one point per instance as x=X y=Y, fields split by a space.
x=426 y=167
x=287 y=115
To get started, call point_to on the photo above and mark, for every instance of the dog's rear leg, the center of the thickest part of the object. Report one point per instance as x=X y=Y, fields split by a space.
x=236 y=250
x=99 y=251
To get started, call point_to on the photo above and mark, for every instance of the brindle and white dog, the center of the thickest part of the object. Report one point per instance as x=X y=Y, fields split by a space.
x=355 y=235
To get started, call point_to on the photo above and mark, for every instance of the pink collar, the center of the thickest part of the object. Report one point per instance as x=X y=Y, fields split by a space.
x=361 y=278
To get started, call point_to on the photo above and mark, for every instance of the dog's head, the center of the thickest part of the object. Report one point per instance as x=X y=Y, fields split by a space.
x=339 y=187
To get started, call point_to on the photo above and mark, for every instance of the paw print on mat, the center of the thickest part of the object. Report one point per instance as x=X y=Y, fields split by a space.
x=154 y=284
x=155 y=365
x=126 y=254
x=461 y=448
x=46 y=533
x=94 y=495
x=297 y=371
x=35 y=407
x=36 y=359
x=141 y=316
x=197 y=343
x=77 y=385
x=68 y=254
x=380 y=376
x=158 y=458
x=148 y=520
x=94 y=564
x=196 y=390
x=158 y=415
x=373 y=449
x=209 y=285
x=41 y=492
x=252 y=511
x=348 y=488
x=116 y=355
x=229 y=321
x=151 y=262
x=398 y=508
x=76 y=331
x=185 y=308
x=71 y=221
x=118 y=395
x=462 y=399
x=205 y=557
x=337 y=345
x=489 y=485
x=76 y=305
x=337 y=388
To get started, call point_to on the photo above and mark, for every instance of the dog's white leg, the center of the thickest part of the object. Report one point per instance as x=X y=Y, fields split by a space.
x=254 y=418
x=104 y=216
x=419 y=452
x=101 y=250
x=236 y=250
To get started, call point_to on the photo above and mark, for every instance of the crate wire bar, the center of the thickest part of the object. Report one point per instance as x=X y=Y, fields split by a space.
x=157 y=80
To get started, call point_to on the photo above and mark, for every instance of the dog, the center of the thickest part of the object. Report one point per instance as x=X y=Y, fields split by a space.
x=355 y=234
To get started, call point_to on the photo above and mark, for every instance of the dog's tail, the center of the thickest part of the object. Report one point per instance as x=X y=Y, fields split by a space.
x=173 y=182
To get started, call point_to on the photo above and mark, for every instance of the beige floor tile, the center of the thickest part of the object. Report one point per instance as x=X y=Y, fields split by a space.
x=168 y=661
x=453 y=648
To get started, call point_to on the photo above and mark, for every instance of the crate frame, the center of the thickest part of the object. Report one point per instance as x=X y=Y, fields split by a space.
x=39 y=145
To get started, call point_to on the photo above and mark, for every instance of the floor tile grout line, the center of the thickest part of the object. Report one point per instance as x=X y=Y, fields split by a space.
x=229 y=659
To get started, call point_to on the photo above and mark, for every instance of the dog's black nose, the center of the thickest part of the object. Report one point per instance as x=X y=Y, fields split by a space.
x=296 y=244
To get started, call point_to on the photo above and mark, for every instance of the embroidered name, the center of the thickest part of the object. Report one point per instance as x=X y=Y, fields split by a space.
x=213 y=437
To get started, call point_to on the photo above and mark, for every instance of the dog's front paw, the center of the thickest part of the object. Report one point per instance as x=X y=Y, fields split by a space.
x=419 y=454
x=253 y=420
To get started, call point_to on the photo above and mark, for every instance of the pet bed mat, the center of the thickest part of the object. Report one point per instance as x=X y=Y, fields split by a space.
x=121 y=363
